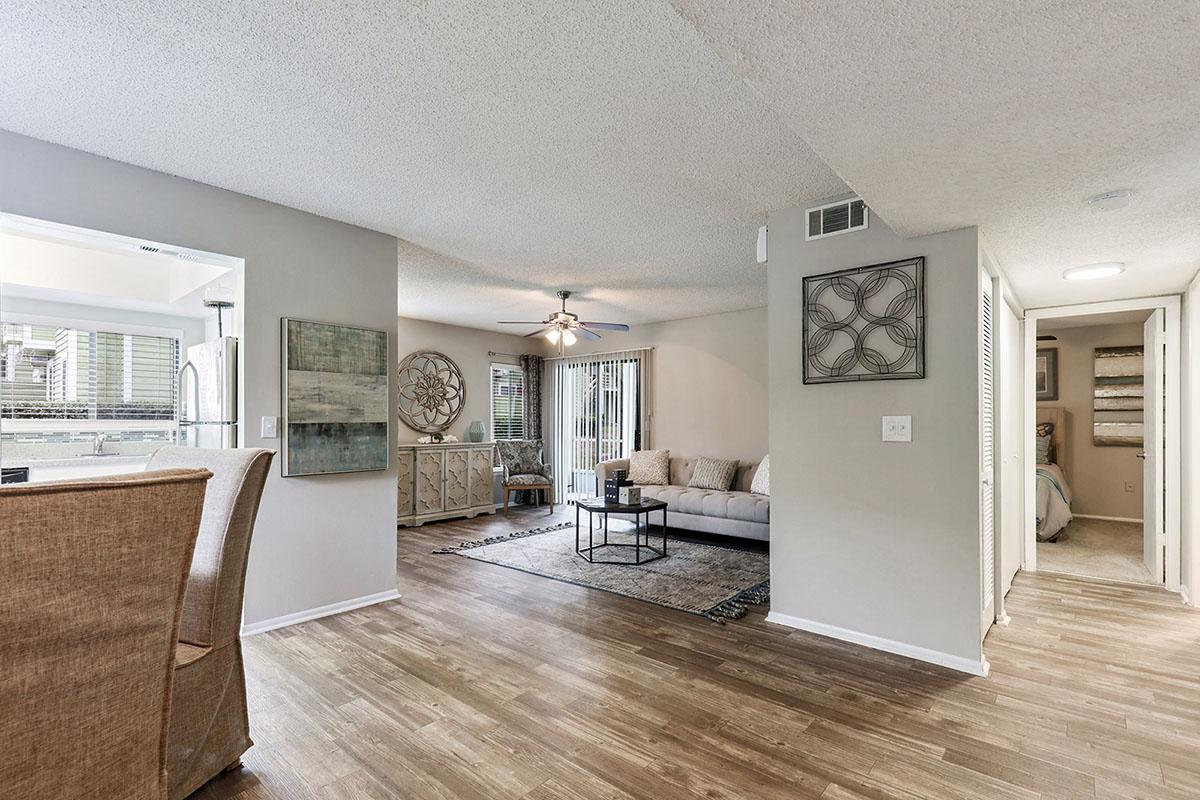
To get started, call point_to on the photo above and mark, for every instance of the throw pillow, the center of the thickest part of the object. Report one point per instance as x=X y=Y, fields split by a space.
x=1045 y=428
x=762 y=478
x=1043 y=449
x=713 y=473
x=650 y=467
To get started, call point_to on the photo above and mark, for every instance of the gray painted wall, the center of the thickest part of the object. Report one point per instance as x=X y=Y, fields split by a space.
x=709 y=381
x=319 y=540
x=469 y=348
x=878 y=538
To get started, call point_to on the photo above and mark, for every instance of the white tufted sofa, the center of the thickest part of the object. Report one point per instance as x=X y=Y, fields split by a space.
x=732 y=513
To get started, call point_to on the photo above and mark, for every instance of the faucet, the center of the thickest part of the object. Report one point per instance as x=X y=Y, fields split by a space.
x=98 y=445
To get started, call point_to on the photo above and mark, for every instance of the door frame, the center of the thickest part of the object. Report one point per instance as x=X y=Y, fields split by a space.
x=1172 y=365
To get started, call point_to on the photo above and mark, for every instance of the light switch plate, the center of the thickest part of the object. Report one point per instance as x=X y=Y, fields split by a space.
x=897 y=429
x=270 y=428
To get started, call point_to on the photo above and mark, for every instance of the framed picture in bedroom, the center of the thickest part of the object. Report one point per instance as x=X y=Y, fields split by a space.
x=865 y=324
x=1118 y=403
x=1045 y=372
x=335 y=398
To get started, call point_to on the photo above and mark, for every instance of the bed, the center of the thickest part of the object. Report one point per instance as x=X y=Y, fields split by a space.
x=1053 y=490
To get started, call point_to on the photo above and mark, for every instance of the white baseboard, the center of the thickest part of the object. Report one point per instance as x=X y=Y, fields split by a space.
x=1107 y=519
x=957 y=663
x=320 y=611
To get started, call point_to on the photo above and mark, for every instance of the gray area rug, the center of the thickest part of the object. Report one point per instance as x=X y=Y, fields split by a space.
x=710 y=580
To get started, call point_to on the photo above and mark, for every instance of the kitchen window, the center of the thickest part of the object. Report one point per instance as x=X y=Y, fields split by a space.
x=56 y=372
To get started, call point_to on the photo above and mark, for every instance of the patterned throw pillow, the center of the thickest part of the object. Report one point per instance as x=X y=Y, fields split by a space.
x=1045 y=428
x=650 y=467
x=762 y=478
x=713 y=473
x=1043 y=449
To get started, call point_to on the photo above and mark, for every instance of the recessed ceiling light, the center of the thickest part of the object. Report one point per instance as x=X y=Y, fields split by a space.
x=1110 y=201
x=1091 y=272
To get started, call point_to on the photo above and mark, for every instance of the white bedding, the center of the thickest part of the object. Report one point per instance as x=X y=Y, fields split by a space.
x=1053 y=506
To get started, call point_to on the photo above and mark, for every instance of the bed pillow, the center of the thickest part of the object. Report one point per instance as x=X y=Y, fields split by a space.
x=713 y=473
x=1043 y=449
x=762 y=478
x=650 y=467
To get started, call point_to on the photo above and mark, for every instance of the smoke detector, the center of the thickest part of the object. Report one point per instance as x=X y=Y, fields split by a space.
x=1110 y=201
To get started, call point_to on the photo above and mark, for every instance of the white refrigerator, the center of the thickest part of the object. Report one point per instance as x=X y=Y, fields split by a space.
x=207 y=399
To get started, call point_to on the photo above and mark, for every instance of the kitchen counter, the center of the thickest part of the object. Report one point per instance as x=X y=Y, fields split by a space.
x=74 y=467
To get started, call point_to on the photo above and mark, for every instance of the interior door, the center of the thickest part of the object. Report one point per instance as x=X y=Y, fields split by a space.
x=1154 y=535
x=987 y=451
x=1009 y=441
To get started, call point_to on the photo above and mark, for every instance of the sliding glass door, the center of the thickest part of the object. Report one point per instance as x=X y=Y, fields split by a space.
x=598 y=408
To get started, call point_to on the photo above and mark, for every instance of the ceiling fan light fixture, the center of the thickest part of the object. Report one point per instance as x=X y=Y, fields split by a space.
x=568 y=338
x=1091 y=272
x=553 y=335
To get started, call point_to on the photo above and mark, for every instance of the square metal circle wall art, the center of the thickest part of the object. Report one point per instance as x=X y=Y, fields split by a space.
x=865 y=324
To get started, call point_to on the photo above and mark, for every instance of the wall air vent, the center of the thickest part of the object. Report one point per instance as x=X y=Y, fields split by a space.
x=145 y=248
x=831 y=219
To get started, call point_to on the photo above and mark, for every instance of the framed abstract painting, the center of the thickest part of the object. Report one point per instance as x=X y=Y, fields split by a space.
x=335 y=398
x=1118 y=396
x=1046 y=374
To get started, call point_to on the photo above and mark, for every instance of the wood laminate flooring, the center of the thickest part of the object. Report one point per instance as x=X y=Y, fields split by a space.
x=486 y=682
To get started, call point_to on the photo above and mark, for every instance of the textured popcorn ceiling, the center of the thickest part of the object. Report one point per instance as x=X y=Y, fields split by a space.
x=1003 y=114
x=521 y=147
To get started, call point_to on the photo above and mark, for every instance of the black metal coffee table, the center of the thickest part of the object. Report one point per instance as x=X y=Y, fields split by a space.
x=598 y=505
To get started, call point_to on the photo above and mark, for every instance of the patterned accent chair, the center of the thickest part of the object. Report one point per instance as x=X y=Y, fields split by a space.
x=524 y=470
x=210 y=727
x=94 y=580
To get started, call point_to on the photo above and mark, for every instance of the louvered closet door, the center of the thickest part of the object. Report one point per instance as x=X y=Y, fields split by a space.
x=987 y=437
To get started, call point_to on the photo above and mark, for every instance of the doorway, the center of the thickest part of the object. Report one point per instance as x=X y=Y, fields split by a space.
x=597 y=408
x=1101 y=457
x=95 y=330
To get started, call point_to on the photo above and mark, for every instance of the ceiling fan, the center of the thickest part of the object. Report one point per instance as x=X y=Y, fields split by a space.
x=564 y=328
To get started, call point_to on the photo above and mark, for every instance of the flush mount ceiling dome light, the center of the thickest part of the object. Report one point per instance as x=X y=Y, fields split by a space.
x=1091 y=272
x=1110 y=201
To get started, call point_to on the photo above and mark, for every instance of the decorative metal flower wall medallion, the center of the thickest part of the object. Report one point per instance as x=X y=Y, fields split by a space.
x=432 y=392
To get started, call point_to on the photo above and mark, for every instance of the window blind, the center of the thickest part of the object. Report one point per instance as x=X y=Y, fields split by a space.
x=56 y=373
x=508 y=402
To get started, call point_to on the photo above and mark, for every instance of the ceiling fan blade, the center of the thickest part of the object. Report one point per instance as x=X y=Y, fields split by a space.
x=606 y=326
x=585 y=333
x=538 y=332
x=506 y=322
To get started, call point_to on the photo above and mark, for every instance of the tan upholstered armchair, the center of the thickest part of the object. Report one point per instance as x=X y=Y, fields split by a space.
x=93 y=578
x=209 y=723
x=524 y=469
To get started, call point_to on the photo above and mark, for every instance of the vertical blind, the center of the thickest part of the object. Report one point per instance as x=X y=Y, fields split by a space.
x=598 y=410
x=508 y=402
x=49 y=372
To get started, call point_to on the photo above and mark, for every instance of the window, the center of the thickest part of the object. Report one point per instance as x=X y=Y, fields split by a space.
x=508 y=402
x=60 y=373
